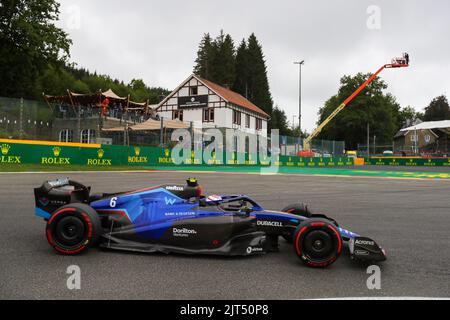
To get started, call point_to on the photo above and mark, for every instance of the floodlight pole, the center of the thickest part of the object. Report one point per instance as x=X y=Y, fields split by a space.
x=300 y=63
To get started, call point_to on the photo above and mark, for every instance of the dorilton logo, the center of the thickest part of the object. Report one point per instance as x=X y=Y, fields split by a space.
x=55 y=159
x=8 y=159
x=183 y=232
x=365 y=242
x=269 y=223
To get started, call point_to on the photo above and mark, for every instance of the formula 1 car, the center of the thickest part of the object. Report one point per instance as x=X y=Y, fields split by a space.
x=179 y=218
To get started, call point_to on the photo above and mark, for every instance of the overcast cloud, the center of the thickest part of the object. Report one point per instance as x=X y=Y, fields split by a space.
x=157 y=41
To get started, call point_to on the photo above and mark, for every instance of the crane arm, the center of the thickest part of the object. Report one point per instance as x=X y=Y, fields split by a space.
x=306 y=142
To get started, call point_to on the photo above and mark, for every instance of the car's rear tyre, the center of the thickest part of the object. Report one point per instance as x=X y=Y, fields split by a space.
x=73 y=228
x=317 y=242
x=299 y=209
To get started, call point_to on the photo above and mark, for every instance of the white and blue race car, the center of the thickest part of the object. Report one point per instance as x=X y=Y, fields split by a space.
x=179 y=218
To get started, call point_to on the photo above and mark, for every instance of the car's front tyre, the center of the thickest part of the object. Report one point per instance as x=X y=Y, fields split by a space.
x=317 y=242
x=73 y=228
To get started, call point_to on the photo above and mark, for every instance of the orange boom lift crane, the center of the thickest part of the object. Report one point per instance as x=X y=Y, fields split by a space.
x=395 y=63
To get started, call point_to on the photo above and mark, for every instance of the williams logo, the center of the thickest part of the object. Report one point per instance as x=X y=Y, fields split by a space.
x=183 y=232
x=5 y=158
x=170 y=201
x=265 y=223
x=137 y=158
x=99 y=161
x=56 y=159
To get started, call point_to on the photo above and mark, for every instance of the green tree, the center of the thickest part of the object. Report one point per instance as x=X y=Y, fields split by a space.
x=30 y=41
x=54 y=81
x=280 y=122
x=204 y=59
x=407 y=116
x=370 y=106
x=216 y=59
x=258 y=90
x=223 y=60
x=438 y=109
x=242 y=73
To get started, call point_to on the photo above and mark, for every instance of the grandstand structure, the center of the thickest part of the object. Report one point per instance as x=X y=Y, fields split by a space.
x=81 y=117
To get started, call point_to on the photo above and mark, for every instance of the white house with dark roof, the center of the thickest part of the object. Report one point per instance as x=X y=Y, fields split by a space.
x=207 y=104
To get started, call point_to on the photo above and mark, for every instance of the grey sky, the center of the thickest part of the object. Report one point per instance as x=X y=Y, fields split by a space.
x=158 y=40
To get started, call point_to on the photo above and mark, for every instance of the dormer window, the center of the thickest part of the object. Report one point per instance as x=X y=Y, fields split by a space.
x=193 y=91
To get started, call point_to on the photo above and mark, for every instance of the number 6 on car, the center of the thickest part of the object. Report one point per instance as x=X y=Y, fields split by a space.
x=113 y=202
x=179 y=218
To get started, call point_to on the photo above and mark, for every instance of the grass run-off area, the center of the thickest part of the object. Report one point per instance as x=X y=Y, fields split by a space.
x=411 y=173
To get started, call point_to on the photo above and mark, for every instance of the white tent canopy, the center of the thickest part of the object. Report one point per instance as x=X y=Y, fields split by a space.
x=429 y=125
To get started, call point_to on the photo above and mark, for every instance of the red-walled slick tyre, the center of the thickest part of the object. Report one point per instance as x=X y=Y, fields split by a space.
x=73 y=228
x=317 y=242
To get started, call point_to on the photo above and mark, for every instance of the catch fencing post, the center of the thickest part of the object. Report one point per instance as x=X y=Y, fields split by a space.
x=161 y=138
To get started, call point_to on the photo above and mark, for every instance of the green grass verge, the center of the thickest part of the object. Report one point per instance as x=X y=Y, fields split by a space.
x=360 y=172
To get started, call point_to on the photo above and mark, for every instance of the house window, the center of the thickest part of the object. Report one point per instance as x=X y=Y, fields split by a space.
x=87 y=136
x=427 y=138
x=193 y=91
x=247 y=121
x=236 y=117
x=208 y=115
x=66 y=135
x=414 y=137
x=258 y=124
x=177 y=114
